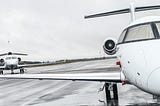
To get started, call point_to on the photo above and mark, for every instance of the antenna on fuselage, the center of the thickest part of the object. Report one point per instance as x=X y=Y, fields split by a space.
x=131 y=10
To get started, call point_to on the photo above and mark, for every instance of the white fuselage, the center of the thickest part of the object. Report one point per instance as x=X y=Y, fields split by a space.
x=141 y=64
x=11 y=62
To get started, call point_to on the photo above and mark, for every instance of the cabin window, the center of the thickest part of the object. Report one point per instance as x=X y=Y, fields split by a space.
x=140 y=32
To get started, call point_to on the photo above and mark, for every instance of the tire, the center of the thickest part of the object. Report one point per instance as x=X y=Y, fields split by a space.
x=22 y=71
x=1 y=72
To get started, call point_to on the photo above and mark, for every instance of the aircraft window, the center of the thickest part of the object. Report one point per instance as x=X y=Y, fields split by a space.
x=14 y=58
x=158 y=27
x=122 y=36
x=7 y=58
x=139 y=33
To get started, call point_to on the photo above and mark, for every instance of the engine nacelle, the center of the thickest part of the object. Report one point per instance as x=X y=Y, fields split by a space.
x=19 y=59
x=1 y=60
x=110 y=46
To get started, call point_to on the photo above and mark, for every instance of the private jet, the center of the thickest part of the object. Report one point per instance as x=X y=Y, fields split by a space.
x=11 y=61
x=137 y=51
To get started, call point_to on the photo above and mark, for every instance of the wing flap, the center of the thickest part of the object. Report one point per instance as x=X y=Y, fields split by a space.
x=107 y=77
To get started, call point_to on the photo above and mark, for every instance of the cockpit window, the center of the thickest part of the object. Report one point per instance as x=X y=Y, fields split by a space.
x=158 y=27
x=14 y=57
x=8 y=58
x=122 y=36
x=139 y=33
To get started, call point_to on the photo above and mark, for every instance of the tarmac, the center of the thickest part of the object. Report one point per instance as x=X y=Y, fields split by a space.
x=16 y=92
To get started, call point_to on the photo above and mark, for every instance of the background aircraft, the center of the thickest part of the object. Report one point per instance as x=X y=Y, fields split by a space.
x=11 y=61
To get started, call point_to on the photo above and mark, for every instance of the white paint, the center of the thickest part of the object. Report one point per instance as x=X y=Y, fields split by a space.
x=145 y=20
x=140 y=62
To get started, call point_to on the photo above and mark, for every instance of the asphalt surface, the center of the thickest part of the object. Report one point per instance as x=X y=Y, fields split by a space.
x=68 y=93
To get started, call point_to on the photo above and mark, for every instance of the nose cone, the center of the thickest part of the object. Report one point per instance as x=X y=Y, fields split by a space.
x=154 y=82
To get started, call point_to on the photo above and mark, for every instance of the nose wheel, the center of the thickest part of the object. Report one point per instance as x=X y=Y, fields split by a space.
x=22 y=71
x=1 y=72
x=12 y=72
x=111 y=92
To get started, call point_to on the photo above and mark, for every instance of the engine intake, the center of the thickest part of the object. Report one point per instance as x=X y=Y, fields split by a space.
x=110 y=46
x=1 y=60
x=19 y=59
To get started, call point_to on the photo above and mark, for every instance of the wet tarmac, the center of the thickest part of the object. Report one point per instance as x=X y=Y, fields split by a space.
x=69 y=93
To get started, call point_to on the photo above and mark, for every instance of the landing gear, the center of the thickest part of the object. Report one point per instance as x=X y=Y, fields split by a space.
x=157 y=98
x=111 y=88
x=1 y=72
x=22 y=71
x=111 y=93
x=12 y=72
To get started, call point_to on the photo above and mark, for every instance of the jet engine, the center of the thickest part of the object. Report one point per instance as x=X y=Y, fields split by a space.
x=110 y=46
x=1 y=60
x=19 y=59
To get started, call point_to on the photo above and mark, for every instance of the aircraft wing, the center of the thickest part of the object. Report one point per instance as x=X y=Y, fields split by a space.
x=34 y=65
x=106 y=77
x=31 y=65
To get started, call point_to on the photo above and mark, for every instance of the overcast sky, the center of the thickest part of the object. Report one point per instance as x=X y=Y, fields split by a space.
x=56 y=29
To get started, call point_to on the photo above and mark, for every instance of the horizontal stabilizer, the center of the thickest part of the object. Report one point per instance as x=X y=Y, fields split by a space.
x=10 y=53
x=123 y=11
x=19 y=54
